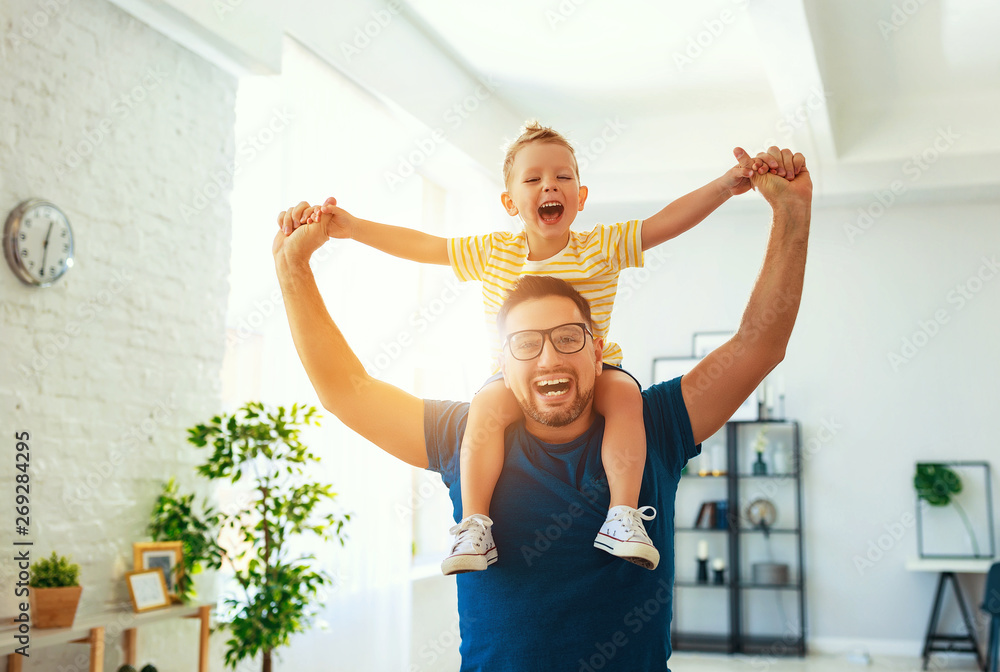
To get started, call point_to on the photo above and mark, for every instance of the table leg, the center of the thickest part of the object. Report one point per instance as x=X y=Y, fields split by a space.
x=967 y=617
x=129 y=641
x=203 y=614
x=97 y=650
x=935 y=613
x=14 y=661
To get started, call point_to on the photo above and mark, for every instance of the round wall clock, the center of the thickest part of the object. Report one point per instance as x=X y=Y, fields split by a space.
x=38 y=242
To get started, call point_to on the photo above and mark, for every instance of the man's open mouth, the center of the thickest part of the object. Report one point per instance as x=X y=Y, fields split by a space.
x=552 y=388
x=550 y=211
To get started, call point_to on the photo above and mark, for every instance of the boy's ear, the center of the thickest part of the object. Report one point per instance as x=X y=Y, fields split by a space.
x=583 y=198
x=508 y=204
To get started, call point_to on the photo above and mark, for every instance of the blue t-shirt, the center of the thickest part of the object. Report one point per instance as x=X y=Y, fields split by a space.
x=552 y=601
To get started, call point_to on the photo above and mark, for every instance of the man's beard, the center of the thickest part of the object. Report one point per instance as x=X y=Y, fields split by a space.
x=561 y=417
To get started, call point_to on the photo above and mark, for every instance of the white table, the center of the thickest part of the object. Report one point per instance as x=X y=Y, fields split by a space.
x=948 y=568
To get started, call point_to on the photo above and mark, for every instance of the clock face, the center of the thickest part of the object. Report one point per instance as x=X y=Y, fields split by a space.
x=39 y=242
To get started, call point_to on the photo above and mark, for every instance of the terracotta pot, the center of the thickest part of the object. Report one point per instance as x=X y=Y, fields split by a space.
x=54 y=607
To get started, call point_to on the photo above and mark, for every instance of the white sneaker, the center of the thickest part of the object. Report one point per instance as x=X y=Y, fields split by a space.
x=623 y=535
x=473 y=550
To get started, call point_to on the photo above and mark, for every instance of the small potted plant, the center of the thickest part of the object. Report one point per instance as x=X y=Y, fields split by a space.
x=55 y=592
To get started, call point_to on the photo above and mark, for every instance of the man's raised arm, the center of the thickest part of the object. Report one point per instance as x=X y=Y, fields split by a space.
x=716 y=387
x=385 y=415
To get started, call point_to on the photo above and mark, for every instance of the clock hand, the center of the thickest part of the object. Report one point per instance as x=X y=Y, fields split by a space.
x=45 y=247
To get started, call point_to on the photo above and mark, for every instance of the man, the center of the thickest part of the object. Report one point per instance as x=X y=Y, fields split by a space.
x=555 y=602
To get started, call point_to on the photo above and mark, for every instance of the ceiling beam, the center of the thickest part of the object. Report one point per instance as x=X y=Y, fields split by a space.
x=788 y=55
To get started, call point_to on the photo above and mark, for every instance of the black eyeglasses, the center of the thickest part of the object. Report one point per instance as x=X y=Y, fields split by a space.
x=566 y=339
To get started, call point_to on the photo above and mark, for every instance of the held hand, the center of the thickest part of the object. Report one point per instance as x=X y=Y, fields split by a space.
x=736 y=180
x=289 y=220
x=780 y=176
x=339 y=223
x=299 y=246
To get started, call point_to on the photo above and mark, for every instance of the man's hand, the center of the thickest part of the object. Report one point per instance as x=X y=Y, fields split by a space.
x=780 y=176
x=297 y=247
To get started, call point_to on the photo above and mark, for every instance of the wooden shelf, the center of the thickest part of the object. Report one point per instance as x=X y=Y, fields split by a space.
x=91 y=629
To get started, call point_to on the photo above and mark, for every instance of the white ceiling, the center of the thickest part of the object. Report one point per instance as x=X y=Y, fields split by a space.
x=860 y=86
x=873 y=92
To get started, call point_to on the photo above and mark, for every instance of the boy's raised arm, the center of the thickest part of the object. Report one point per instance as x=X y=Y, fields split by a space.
x=690 y=209
x=395 y=240
x=385 y=415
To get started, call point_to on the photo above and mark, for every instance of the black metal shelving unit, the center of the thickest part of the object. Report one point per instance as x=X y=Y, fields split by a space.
x=738 y=637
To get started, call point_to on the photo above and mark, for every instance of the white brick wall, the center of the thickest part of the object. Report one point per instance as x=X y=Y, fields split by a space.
x=120 y=127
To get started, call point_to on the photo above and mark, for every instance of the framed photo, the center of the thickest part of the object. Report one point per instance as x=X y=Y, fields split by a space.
x=147 y=590
x=705 y=342
x=165 y=556
x=668 y=368
x=954 y=510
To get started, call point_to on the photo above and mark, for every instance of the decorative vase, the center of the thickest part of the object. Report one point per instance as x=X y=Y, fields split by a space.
x=702 y=570
x=759 y=467
x=54 y=607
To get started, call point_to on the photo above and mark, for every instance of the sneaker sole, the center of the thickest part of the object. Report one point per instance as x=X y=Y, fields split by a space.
x=460 y=564
x=644 y=555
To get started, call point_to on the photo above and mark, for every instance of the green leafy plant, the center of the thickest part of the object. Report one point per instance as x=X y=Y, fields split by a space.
x=280 y=589
x=54 y=572
x=939 y=485
x=175 y=518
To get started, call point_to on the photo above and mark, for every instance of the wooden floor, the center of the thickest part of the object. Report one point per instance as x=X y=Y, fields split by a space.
x=694 y=662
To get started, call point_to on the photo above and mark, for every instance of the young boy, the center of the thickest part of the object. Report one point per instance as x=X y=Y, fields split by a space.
x=542 y=182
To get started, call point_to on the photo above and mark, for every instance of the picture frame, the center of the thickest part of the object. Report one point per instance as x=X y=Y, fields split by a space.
x=147 y=590
x=963 y=527
x=166 y=556
x=668 y=368
x=704 y=342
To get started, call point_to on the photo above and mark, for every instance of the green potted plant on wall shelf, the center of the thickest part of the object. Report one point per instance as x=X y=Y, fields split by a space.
x=938 y=485
x=55 y=592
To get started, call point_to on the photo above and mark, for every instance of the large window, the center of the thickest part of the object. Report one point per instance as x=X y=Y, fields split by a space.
x=305 y=135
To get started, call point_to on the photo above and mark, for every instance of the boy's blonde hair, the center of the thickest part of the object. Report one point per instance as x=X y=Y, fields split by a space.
x=532 y=131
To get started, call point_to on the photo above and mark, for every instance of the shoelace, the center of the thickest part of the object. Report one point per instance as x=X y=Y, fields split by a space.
x=633 y=519
x=467 y=528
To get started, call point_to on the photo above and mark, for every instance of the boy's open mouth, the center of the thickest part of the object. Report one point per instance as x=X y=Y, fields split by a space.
x=552 y=388
x=550 y=211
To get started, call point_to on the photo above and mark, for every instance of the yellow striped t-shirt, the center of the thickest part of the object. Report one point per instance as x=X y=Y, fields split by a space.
x=590 y=262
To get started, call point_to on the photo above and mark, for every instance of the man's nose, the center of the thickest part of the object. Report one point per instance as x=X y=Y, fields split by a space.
x=549 y=355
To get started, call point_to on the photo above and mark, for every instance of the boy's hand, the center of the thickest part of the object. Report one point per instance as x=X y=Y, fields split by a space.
x=339 y=223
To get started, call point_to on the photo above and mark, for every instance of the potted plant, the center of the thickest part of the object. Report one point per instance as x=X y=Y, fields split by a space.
x=279 y=589
x=55 y=592
x=175 y=518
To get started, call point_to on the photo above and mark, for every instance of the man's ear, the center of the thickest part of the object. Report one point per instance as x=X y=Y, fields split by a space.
x=583 y=198
x=599 y=354
x=503 y=369
x=508 y=204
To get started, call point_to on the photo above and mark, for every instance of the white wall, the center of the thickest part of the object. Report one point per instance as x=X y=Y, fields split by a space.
x=863 y=295
x=120 y=127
